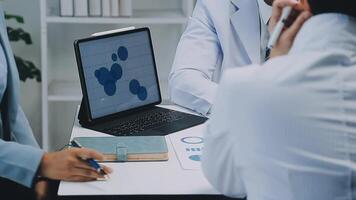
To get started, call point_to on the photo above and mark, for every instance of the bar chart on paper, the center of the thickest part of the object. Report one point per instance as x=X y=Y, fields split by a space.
x=188 y=148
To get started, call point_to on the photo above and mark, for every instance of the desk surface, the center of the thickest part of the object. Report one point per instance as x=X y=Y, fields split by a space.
x=144 y=178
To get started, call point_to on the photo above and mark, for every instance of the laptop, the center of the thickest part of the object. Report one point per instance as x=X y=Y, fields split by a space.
x=120 y=86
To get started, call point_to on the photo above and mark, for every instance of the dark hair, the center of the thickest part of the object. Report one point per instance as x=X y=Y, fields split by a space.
x=347 y=7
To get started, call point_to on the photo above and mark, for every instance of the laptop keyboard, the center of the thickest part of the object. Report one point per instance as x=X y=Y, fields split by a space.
x=145 y=121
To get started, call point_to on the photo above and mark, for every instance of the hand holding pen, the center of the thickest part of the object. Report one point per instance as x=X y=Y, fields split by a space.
x=92 y=163
x=71 y=165
x=288 y=17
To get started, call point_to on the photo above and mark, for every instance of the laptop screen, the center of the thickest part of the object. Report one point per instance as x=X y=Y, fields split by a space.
x=119 y=73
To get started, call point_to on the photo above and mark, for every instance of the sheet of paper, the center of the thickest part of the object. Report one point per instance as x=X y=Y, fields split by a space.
x=188 y=146
x=143 y=178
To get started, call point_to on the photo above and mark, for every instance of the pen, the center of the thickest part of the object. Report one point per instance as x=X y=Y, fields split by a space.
x=91 y=161
x=278 y=29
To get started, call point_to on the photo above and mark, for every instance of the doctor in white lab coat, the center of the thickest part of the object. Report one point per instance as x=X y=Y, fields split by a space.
x=221 y=34
x=286 y=130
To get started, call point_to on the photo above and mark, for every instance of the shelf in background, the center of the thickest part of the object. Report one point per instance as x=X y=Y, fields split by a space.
x=139 y=17
x=64 y=91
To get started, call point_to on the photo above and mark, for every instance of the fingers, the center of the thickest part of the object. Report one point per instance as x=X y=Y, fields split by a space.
x=80 y=179
x=90 y=174
x=84 y=154
x=285 y=3
x=83 y=169
x=303 y=5
x=278 y=6
x=287 y=38
x=293 y=30
x=69 y=165
x=106 y=169
x=277 y=9
x=79 y=163
x=83 y=165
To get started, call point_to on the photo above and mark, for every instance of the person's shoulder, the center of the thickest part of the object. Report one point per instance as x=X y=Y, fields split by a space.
x=304 y=68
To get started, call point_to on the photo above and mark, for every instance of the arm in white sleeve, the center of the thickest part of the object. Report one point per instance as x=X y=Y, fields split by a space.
x=276 y=140
x=219 y=162
x=197 y=57
x=221 y=159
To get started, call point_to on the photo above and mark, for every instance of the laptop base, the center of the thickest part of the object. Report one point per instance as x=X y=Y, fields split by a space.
x=154 y=121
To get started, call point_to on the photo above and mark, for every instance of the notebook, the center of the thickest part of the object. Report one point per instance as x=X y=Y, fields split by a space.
x=128 y=148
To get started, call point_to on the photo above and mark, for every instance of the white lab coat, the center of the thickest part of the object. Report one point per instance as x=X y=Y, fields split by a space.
x=220 y=35
x=287 y=130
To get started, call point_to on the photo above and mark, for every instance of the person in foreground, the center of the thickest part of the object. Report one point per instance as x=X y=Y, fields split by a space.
x=286 y=130
x=22 y=162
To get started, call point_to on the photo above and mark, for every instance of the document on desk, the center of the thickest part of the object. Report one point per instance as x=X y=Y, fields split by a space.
x=188 y=146
x=143 y=178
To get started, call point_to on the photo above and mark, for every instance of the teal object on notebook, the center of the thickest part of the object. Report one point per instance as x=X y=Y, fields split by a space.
x=131 y=148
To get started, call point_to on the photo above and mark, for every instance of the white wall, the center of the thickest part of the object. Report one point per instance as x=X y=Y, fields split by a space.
x=31 y=90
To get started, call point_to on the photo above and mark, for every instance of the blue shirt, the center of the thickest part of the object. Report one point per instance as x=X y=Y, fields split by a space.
x=20 y=158
x=3 y=73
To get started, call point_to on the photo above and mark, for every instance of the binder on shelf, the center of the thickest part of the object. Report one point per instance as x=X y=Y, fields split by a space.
x=95 y=8
x=125 y=8
x=106 y=8
x=115 y=8
x=81 y=8
x=66 y=8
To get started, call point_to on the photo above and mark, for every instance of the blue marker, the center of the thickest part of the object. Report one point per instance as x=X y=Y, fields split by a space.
x=91 y=161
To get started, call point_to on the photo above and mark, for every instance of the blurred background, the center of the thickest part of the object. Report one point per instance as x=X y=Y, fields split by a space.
x=42 y=34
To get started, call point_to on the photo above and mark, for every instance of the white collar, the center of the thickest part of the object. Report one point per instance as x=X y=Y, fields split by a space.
x=264 y=9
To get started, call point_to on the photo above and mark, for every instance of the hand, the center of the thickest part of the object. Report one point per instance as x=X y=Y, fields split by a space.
x=70 y=165
x=288 y=35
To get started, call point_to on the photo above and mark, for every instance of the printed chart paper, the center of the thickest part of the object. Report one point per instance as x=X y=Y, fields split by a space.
x=188 y=147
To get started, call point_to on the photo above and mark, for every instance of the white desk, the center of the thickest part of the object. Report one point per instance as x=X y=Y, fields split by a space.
x=144 y=178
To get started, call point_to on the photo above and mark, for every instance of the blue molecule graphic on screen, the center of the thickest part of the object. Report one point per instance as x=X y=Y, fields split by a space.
x=123 y=53
x=134 y=86
x=137 y=89
x=114 y=57
x=142 y=93
x=108 y=79
x=116 y=71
